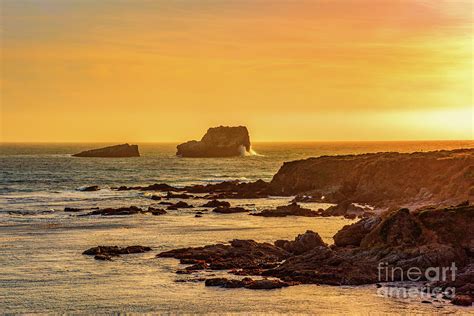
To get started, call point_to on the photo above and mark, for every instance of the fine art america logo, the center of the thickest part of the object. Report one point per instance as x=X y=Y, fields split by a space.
x=434 y=276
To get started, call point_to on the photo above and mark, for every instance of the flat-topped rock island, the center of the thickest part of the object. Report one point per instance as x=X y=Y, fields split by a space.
x=116 y=151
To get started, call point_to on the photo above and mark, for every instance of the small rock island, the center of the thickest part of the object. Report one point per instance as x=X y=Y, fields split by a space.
x=222 y=141
x=116 y=151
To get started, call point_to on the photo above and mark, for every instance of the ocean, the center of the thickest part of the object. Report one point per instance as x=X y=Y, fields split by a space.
x=42 y=269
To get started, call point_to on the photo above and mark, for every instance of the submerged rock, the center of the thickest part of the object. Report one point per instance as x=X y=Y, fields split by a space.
x=229 y=210
x=121 y=211
x=106 y=252
x=179 y=205
x=117 y=151
x=293 y=209
x=153 y=187
x=222 y=141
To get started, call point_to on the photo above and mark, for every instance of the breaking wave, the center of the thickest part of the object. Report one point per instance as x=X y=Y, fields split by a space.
x=251 y=152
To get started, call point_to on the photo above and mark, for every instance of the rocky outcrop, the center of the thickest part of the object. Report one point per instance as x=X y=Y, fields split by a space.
x=107 y=252
x=302 y=243
x=396 y=242
x=179 y=205
x=419 y=179
x=117 y=151
x=352 y=235
x=222 y=141
x=236 y=255
x=229 y=210
x=121 y=211
x=216 y=203
x=288 y=210
x=152 y=187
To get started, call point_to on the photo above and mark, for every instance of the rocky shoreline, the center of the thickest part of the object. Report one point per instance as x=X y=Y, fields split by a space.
x=401 y=201
x=426 y=239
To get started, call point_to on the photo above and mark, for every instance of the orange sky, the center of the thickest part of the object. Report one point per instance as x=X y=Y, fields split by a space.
x=142 y=70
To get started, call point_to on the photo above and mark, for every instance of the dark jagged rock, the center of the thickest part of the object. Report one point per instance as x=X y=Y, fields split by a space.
x=122 y=211
x=229 y=210
x=397 y=242
x=116 y=211
x=106 y=252
x=302 y=243
x=232 y=190
x=438 y=178
x=153 y=187
x=288 y=210
x=400 y=240
x=222 y=141
x=75 y=210
x=179 y=205
x=248 y=283
x=117 y=151
x=239 y=254
x=155 y=197
x=352 y=235
x=216 y=203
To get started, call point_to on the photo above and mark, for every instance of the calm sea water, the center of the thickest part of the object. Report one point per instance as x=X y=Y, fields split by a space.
x=42 y=269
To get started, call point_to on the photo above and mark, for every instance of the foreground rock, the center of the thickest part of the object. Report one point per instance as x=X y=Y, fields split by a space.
x=117 y=151
x=107 y=252
x=121 y=211
x=222 y=141
x=238 y=254
x=400 y=240
x=288 y=210
x=396 y=242
x=248 y=283
x=440 y=178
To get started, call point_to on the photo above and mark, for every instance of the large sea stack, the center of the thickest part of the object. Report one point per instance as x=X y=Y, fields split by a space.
x=117 y=151
x=222 y=141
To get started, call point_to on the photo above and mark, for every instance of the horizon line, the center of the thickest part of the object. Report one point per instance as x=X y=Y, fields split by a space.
x=253 y=142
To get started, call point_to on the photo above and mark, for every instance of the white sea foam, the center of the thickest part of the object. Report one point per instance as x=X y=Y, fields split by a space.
x=251 y=152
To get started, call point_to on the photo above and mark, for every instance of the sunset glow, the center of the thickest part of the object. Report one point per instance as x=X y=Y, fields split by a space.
x=288 y=70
